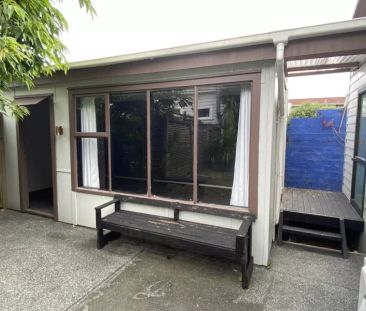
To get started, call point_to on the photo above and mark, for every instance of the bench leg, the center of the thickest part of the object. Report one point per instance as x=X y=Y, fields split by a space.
x=280 y=224
x=246 y=273
x=103 y=239
x=344 y=238
x=246 y=263
x=101 y=242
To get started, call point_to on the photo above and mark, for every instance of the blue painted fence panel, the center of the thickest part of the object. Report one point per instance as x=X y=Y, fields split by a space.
x=315 y=151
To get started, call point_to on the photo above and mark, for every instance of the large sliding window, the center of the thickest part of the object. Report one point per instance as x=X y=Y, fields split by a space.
x=172 y=143
x=189 y=144
x=222 y=146
x=128 y=142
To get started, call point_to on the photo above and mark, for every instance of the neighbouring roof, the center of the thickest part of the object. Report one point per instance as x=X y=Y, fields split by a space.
x=321 y=100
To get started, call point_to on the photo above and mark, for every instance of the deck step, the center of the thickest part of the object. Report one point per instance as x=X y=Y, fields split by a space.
x=312 y=233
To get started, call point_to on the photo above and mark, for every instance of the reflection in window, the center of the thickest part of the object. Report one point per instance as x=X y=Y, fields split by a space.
x=204 y=113
x=217 y=140
x=90 y=114
x=172 y=143
x=128 y=142
x=92 y=162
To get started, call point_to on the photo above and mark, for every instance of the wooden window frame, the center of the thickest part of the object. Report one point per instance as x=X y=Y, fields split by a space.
x=252 y=79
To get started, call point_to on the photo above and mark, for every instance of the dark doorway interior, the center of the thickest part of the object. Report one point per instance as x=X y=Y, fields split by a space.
x=36 y=138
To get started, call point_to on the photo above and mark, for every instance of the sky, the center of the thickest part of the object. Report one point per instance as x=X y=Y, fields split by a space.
x=129 y=26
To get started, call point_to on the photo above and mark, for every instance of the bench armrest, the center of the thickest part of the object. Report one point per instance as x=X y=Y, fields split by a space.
x=100 y=207
x=98 y=210
x=244 y=228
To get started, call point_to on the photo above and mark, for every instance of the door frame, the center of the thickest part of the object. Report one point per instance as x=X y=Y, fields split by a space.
x=22 y=164
x=355 y=160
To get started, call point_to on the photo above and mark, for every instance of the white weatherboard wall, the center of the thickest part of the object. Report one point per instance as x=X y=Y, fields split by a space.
x=262 y=228
x=78 y=208
x=357 y=86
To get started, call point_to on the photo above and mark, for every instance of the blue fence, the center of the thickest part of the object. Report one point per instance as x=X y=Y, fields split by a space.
x=315 y=151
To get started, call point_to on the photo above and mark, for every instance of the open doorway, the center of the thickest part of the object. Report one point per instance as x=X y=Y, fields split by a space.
x=36 y=157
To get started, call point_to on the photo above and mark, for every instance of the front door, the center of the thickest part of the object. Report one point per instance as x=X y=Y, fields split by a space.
x=359 y=160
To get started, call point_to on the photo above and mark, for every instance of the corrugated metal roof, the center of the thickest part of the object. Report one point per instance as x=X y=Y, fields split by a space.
x=324 y=65
x=337 y=60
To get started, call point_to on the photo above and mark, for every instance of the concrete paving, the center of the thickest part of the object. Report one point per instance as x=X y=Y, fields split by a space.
x=46 y=265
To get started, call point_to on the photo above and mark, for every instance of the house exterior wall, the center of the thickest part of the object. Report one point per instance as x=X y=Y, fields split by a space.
x=279 y=156
x=78 y=208
x=357 y=85
x=263 y=228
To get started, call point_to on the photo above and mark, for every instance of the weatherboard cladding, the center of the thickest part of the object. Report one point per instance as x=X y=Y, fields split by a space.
x=357 y=84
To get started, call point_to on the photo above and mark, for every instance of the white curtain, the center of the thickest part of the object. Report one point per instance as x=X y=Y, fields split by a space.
x=239 y=192
x=89 y=145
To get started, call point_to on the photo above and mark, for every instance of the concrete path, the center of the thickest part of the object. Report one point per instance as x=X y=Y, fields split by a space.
x=46 y=265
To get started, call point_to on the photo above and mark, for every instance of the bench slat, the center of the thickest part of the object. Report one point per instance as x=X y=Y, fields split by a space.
x=199 y=233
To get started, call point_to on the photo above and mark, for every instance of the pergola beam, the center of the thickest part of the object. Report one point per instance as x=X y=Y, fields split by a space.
x=317 y=72
x=350 y=43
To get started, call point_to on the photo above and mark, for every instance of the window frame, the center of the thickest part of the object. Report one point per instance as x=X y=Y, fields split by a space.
x=209 y=113
x=358 y=208
x=252 y=79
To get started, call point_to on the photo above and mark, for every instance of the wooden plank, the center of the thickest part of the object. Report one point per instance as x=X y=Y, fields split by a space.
x=308 y=204
x=313 y=233
x=184 y=230
x=348 y=212
x=289 y=199
x=333 y=209
x=321 y=204
x=313 y=203
x=286 y=203
x=211 y=209
x=298 y=202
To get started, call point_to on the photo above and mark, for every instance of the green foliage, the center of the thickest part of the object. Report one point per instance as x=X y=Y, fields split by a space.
x=307 y=110
x=223 y=146
x=30 y=45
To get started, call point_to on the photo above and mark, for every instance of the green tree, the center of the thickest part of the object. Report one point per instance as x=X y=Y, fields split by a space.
x=307 y=110
x=30 y=45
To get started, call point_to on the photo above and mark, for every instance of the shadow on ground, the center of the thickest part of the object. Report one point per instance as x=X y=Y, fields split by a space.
x=46 y=265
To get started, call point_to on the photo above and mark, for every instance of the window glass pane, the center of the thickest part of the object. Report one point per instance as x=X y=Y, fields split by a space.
x=92 y=162
x=217 y=143
x=204 y=112
x=90 y=114
x=172 y=143
x=128 y=142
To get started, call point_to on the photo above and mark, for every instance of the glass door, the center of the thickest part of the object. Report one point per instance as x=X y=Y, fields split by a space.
x=359 y=160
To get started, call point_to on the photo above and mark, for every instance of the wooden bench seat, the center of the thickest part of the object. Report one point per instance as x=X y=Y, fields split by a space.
x=186 y=235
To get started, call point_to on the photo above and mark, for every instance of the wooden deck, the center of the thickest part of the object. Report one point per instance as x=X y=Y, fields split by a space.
x=320 y=207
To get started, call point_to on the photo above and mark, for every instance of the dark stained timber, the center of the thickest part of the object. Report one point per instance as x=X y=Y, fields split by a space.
x=190 y=236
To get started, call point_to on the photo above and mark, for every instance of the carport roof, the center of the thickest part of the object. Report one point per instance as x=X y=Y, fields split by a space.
x=322 y=65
